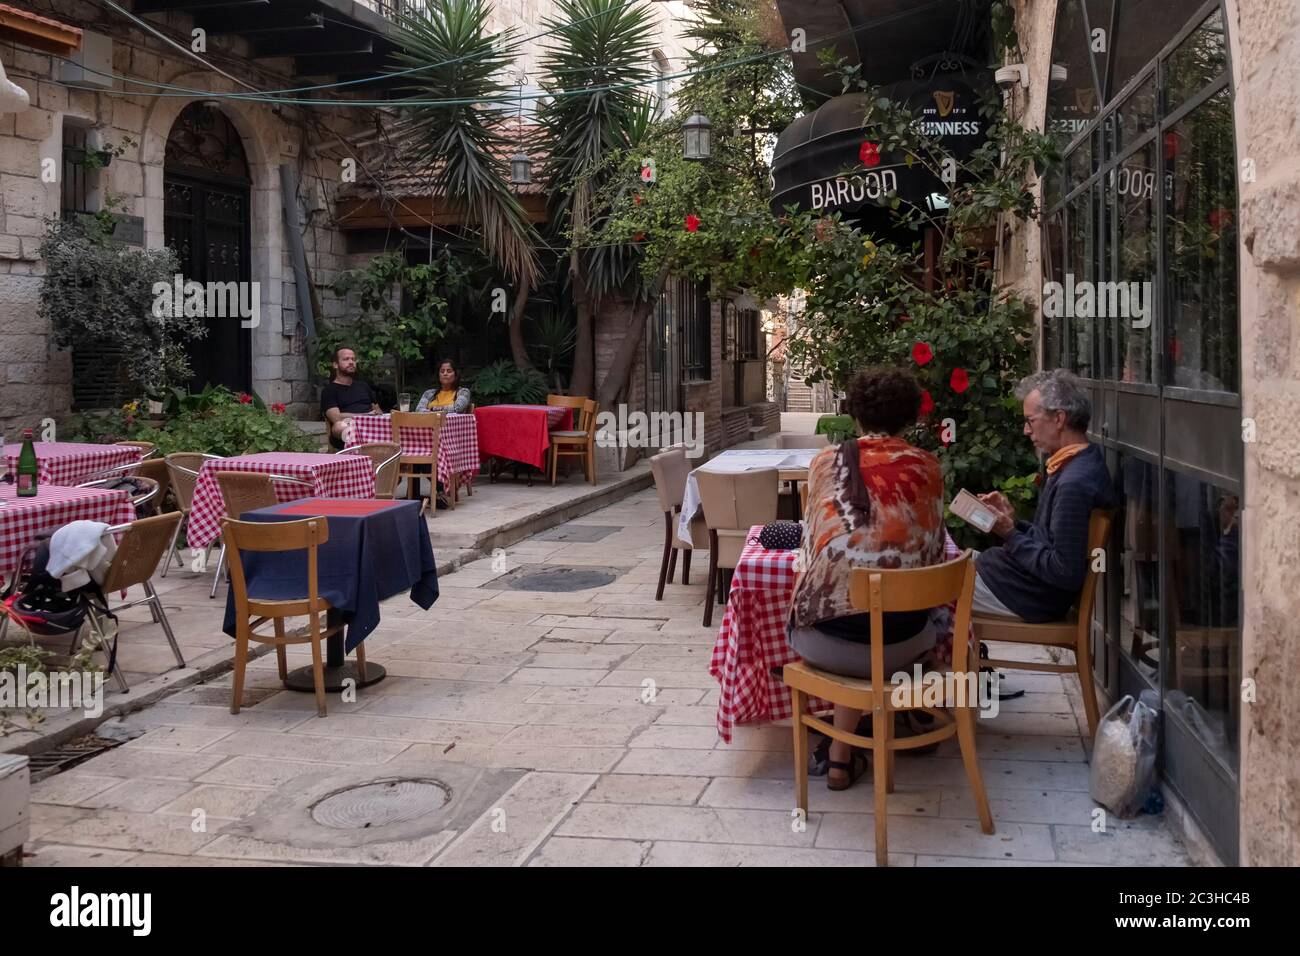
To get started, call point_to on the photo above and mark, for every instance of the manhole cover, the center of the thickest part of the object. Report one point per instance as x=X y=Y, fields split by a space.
x=381 y=804
x=579 y=533
x=554 y=579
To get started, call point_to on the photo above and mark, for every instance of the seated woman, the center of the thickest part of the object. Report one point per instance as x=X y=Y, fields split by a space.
x=448 y=396
x=881 y=507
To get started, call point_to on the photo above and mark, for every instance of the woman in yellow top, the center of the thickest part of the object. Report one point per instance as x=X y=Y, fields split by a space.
x=449 y=396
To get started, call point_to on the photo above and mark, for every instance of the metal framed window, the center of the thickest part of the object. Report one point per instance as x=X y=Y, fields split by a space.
x=695 y=323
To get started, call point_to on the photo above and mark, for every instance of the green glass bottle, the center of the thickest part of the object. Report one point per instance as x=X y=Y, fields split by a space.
x=27 y=468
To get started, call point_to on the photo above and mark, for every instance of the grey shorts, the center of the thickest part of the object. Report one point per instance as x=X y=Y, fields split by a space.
x=852 y=659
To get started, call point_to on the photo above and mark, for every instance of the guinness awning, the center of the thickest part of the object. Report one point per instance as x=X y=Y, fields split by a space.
x=819 y=162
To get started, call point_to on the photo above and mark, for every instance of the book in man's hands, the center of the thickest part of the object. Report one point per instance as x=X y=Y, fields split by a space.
x=973 y=511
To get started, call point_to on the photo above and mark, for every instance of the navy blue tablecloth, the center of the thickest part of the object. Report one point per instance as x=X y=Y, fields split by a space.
x=368 y=558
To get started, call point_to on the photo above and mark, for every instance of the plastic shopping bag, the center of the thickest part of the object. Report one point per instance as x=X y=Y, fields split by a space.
x=1124 y=757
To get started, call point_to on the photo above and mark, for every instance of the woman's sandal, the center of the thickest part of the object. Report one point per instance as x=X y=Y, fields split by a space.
x=855 y=767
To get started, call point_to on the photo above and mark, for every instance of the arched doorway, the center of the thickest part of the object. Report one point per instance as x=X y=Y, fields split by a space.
x=206 y=222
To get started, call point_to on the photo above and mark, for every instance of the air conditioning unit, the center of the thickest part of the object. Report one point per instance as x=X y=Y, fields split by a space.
x=91 y=66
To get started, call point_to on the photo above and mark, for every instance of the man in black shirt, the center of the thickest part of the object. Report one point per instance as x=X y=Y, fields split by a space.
x=345 y=396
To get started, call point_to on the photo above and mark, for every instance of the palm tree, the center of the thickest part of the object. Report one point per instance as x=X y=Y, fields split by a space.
x=598 y=66
x=464 y=143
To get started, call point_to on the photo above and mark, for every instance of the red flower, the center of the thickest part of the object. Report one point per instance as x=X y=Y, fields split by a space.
x=904 y=318
x=921 y=353
x=1220 y=219
x=927 y=403
x=637 y=199
x=959 y=381
x=638 y=237
x=245 y=398
x=692 y=222
x=1171 y=145
x=278 y=408
x=869 y=154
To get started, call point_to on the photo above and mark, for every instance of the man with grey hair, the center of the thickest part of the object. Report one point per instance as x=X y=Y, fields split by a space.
x=1038 y=570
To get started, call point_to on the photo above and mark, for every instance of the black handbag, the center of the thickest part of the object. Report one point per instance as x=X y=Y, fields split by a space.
x=781 y=535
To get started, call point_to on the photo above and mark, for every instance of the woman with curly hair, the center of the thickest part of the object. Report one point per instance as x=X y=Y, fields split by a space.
x=874 y=502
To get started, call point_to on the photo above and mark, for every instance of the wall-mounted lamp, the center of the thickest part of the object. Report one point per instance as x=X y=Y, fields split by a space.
x=1011 y=75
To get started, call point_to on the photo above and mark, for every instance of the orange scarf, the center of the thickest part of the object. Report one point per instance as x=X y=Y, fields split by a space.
x=1062 y=455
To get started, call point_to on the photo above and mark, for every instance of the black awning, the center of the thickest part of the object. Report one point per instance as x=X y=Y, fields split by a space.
x=886 y=38
x=820 y=164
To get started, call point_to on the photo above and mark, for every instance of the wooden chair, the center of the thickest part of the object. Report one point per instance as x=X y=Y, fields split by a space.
x=144 y=543
x=384 y=457
x=244 y=491
x=670 y=469
x=308 y=534
x=1073 y=633
x=879 y=592
x=182 y=474
x=732 y=504
x=411 y=467
x=787 y=440
x=578 y=442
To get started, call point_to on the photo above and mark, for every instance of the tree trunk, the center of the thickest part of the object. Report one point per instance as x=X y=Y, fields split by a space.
x=517 y=350
x=584 y=358
x=620 y=370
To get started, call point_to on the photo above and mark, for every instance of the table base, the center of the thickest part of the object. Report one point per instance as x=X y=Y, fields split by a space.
x=302 y=678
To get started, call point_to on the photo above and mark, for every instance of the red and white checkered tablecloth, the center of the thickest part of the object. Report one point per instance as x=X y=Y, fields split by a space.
x=69 y=463
x=22 y=519
x=457 y=442
x=752 y=639
x=331 y=476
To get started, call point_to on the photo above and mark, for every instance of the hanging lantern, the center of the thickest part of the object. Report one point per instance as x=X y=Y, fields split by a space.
x=696 y=130
x=521 y=169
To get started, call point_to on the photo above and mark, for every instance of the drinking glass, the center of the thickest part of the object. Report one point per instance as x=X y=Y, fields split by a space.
x=404 y=401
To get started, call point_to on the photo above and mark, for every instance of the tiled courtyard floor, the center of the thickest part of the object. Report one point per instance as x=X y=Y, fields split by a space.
x=546 y=689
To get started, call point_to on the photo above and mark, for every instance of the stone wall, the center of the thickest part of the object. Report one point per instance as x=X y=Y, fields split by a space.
x=1265 y=48
x=35 y=378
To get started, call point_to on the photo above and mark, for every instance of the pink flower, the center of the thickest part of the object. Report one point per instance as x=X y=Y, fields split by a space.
x=647 y=174
x=692 y=222
x=869 y=154
x=921 y=353
x=959 y=381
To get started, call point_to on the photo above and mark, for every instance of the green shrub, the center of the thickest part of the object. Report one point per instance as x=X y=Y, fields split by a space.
x=220 y=422
x=502 y=383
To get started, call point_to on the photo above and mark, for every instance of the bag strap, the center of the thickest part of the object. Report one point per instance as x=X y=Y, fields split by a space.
x=855 y=490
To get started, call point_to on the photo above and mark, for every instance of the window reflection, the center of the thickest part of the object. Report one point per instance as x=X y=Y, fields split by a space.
x=1201 y=348
x=1142 y=27
x=1081 y=262
x=1139 y=602
x=1132 y=194
x=1196 y=61
x=1204 y=619
x=1074 y=99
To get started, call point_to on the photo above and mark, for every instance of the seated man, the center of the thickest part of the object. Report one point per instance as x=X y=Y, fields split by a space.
x=1038 y=570
x=345 y=395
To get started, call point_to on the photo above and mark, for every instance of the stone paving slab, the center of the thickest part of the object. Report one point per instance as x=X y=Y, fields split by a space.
x=554 y=691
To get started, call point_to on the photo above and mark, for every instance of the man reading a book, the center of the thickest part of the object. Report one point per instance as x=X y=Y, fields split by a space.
x=1038 y=570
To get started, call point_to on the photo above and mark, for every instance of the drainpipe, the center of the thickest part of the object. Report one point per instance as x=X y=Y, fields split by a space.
x=298 y=256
